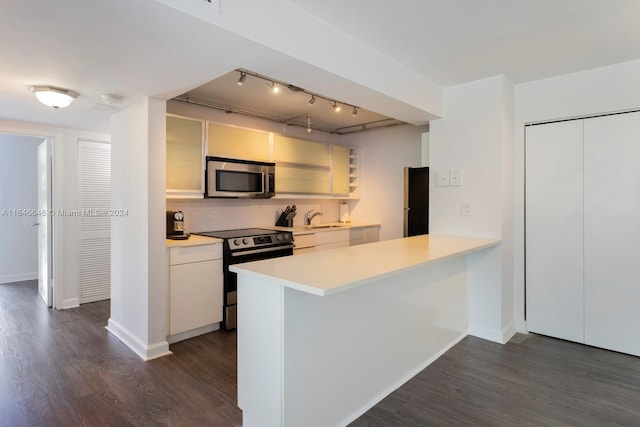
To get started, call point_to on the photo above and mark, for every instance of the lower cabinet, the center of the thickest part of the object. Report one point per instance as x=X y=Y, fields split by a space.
x=360 y=236
x=195 y=290
x=323 y=240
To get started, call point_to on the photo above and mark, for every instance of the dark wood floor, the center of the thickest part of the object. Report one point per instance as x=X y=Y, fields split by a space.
x=62 y=368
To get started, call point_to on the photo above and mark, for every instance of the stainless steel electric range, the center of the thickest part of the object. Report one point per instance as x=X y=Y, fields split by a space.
x=244 y=245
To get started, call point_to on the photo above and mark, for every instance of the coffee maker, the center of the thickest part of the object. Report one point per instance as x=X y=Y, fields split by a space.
x=175 y=226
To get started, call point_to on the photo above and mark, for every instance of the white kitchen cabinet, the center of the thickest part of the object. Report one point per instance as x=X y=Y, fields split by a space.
x=582 y=228
x=185 y=157
x=334 y=238
x=195 y=290
x=304 y=243
x=340 y=170
x=301 y=151
x=360 y=236
x=237 y=143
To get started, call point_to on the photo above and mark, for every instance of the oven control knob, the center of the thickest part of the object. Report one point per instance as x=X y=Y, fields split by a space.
x=245 y=241
x=286 y=237
x=236 y=242
x=278 y=236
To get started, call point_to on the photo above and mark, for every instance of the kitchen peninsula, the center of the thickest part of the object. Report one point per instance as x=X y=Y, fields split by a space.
x=324 y=336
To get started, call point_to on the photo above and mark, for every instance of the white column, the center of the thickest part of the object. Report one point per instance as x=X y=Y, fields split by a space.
x=138 y=289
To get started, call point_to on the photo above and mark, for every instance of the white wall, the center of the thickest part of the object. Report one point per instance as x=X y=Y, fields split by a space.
x=18 y=195
x=138 y=274
x=597 y=91
x=474 y=137
x=385 y=153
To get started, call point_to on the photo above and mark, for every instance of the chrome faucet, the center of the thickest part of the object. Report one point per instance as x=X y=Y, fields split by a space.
x=308 y=217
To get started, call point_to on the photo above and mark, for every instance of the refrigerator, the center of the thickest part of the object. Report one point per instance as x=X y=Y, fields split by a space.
x=416 y=201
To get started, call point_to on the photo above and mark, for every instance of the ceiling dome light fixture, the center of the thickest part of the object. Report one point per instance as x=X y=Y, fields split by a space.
x=336 y=107
x=243 y=77
x=312 y=100
x=355 y=111
x=54 y=97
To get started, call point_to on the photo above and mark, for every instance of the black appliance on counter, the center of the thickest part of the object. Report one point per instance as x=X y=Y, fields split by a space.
x=175 y=226
x=245 y=245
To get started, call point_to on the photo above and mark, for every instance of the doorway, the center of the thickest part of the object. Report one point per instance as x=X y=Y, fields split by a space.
x=26 y=178
x=416 y=201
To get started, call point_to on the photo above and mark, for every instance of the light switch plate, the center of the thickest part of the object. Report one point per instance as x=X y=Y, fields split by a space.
x=455 y=178
x=466 y=208
x=443 y=178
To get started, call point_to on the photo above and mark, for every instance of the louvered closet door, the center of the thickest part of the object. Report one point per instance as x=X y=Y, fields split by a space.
x=95 y=220
x=612 y=232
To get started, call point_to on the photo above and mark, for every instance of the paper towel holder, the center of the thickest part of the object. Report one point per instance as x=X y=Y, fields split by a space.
x=344 y=213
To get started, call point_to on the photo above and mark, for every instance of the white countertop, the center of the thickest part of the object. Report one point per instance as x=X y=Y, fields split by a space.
x=193 y=240
x=326 y=272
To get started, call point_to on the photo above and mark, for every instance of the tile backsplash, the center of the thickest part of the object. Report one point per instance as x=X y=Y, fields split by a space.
x=228 y=214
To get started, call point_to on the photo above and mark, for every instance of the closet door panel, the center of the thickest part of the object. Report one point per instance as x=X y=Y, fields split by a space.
x=612 y=232
x=554 y=230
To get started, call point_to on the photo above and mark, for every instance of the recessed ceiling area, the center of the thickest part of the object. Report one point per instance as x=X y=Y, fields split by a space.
x=248 y=93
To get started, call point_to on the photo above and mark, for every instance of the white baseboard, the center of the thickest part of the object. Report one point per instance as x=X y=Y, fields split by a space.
x=373 y=402
x=495 y=335
x=146 y=352
x=21 y=277
x=70 y=303
x=171 y=339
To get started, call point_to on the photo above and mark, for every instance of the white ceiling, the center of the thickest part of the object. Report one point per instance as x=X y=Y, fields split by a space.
x=144 y=48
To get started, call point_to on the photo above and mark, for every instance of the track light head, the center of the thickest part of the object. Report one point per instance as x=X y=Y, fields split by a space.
x=243 y=77
x=355 y=111
x=312 y=100
x=336 y=107
x=274 y=87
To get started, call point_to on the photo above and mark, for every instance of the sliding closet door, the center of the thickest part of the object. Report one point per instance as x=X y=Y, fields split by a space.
x=612 y=232
x=554 y=244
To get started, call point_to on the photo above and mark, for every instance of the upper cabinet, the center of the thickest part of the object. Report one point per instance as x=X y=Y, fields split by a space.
x=303 y=168
x=185 y=157
x=237 y=143
x=301 y=152
x=340 y=168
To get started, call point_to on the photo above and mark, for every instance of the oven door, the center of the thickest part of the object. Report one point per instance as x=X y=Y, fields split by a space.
x=231 y=278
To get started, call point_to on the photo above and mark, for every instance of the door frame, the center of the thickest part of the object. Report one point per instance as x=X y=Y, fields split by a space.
x=54 y=138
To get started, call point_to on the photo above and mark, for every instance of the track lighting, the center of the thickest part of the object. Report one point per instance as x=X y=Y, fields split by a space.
x=355 y=111
x=336 y=107
x=312 y=100
x=243 y=77
x=274 y=87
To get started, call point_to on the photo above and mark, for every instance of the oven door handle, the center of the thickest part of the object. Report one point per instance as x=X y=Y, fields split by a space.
x=260 y=251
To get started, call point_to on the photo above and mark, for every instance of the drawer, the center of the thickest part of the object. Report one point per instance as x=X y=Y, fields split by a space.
x=327 y=237
x=356 y=234
x=304 y=241
x=189 y=254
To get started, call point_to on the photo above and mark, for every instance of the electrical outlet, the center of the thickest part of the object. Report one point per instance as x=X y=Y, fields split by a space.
x=455 y=177
x=443 y=178
x=466 y=208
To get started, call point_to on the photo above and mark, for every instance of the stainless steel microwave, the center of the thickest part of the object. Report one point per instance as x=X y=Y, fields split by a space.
x=239 y=178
